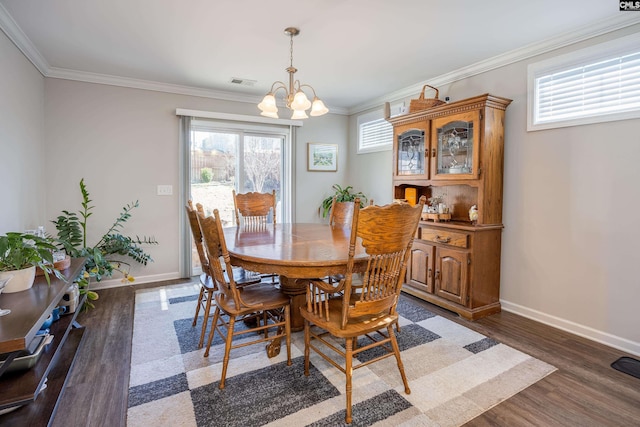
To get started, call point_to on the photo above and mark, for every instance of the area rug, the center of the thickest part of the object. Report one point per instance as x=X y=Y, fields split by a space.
x=454 y=373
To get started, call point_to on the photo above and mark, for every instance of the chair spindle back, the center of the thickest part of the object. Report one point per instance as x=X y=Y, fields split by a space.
x=197 y=235
x=254 y=208
x=387 y=233
x=216 y=248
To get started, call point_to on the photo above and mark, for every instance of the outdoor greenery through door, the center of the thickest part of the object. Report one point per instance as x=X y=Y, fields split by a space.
x=223 y=160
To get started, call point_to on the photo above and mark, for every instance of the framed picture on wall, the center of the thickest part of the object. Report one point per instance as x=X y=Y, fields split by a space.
x=322 y=157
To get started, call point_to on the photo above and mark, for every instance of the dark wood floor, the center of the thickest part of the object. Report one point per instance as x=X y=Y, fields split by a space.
x=584 y=391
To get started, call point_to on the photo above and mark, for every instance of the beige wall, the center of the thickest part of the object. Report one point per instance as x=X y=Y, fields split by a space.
x=570 y=243
x=313 y=187
x=124 y=142
x=21 y=141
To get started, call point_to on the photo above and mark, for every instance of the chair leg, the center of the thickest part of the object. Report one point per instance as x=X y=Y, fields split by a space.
x=227 y=350
x=307 y=344
x=195 y=318
x=214 y=324
x=287 y=331
x=264 y=319
x=396 y=352
x=205 y=320
x=348 y=371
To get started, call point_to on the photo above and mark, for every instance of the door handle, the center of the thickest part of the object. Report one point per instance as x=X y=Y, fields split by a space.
x=443 y=239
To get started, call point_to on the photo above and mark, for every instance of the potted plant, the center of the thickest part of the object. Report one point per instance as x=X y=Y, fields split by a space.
x=101 y=257
x=341 y=195
x=20 y=254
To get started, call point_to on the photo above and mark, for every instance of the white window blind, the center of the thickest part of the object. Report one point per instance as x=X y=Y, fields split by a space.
x=374 y=133
x=588 y=86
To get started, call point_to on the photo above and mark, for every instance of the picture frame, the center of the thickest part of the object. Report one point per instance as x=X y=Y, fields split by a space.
x=322 y=157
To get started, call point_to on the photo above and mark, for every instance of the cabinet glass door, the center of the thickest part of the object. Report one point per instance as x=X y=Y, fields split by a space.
x=456 y=144
x=411 y=152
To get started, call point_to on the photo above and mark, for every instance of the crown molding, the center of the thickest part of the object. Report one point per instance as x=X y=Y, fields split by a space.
x=583 y=33
x=15 y=34
x=106 y=79
x=10 y=27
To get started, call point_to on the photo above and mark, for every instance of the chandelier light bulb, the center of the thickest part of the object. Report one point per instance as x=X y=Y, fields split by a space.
x=268 y=104
x=300 y=101
x=299 y=114
x=318 y=108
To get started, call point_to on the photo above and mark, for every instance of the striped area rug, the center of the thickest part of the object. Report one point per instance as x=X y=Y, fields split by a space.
x=454 y=373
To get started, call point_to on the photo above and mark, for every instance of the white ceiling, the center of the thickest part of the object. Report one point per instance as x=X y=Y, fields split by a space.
x=351 y=51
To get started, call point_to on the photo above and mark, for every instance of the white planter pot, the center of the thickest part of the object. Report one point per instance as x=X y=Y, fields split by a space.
x=21 y=280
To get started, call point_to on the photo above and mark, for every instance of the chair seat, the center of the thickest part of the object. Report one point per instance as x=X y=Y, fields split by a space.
x=265 y=294
x=241 y=276
x=356 y=326
x=357 y=280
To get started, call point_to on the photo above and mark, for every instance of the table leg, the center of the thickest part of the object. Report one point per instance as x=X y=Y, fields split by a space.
x=297 y=293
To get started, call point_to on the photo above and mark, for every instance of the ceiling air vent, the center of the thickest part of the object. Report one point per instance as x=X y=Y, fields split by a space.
x=243 y=82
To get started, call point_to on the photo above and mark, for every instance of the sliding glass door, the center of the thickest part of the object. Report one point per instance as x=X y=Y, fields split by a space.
x=244 y=158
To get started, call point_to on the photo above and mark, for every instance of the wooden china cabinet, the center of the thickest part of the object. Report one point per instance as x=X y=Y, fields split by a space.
x=455 y=151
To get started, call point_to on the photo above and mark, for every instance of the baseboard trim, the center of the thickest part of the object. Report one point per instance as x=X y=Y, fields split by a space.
x=574 y=328
x=116 y=283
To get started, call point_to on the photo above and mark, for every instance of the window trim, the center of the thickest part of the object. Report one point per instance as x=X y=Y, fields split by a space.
x=596 y=53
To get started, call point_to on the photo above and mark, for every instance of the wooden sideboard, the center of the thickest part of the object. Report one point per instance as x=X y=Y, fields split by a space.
x=29 y=310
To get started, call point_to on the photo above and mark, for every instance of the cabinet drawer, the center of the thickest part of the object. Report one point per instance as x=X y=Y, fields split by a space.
x=452 y=238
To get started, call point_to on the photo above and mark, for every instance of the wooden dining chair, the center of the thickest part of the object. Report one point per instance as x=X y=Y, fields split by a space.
x=387 y=234
x=341 y=214
x=207 y=287
x=261 y=302
x=252 y=212
x=253 y=209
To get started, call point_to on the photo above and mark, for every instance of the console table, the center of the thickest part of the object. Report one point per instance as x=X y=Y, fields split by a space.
x=29 y=310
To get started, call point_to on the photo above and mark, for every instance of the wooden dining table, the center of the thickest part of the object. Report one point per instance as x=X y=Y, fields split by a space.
x=293 y=251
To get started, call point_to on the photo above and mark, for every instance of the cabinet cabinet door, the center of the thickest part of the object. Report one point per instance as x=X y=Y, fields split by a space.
x=411 y=151
x=456 y=141
x=420 y=266
x=452 y=275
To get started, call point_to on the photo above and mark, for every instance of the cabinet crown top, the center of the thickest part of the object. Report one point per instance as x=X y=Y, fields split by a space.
x=474 y=103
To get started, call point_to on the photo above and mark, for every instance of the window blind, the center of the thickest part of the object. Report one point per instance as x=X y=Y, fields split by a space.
x=605 y=87
x=596 y=84
x=375 y=135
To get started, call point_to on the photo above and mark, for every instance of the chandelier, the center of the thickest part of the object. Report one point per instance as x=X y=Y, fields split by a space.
x=295 y=99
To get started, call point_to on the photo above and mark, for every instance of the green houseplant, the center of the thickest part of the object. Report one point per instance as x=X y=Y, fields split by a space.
x=342 y=195
x=101 y=257
x=20 y=254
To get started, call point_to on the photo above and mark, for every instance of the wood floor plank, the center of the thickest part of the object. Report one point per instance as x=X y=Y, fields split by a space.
x=584 y=391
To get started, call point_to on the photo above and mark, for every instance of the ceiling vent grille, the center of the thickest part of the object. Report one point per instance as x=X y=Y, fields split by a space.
x=243 y=82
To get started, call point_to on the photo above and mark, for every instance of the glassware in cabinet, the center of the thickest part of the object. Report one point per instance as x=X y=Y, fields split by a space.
x=456 y=142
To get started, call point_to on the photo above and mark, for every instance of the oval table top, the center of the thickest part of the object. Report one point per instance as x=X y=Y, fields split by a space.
x=292 y=250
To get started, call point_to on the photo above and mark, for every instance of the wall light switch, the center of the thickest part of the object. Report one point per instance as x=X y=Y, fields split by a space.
x=165 y=190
